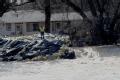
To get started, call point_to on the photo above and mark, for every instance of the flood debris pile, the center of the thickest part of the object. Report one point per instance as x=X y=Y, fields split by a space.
x=35 y=50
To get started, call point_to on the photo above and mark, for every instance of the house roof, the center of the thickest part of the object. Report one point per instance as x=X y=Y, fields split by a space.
x=65 y=16
x=37 y=16
x=23 y=16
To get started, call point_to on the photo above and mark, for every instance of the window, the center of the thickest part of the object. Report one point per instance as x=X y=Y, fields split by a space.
x=58 y=25
x=18 y=28
x=35 y=26
x=32 y=27
x=8 y=27
x=53 y=27
x=28 y=27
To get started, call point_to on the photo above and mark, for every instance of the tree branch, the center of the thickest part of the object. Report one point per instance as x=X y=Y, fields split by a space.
x=92 y=8
x=117 y=9
x=116 y=15
x=98 y=6
x=15 y=5
x=76 y=8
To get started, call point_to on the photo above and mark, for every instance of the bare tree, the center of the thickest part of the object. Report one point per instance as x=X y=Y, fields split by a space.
x=106 y=14
x=4 y=6
x=46 y=6
x=7 y=5
x=48 y=15
x=105 y=17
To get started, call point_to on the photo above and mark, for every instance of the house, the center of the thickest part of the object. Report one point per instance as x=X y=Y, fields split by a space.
x=18 y=1
x=27 y=22
x=21 y=22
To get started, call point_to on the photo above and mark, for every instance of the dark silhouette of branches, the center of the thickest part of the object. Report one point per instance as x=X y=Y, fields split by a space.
x=106 y=16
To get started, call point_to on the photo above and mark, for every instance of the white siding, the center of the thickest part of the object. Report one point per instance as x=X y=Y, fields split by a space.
x=3 y=30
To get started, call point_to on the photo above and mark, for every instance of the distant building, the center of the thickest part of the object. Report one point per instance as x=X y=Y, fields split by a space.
x=18 y=1
x=28 y=22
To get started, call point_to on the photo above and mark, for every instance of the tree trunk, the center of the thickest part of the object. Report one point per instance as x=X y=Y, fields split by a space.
x=47 y=15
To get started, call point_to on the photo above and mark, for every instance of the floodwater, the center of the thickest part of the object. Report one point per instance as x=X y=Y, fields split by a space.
x=106 y=66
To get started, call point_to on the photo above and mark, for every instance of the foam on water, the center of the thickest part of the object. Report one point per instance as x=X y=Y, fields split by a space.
x=95 y=52
x=104 y=66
